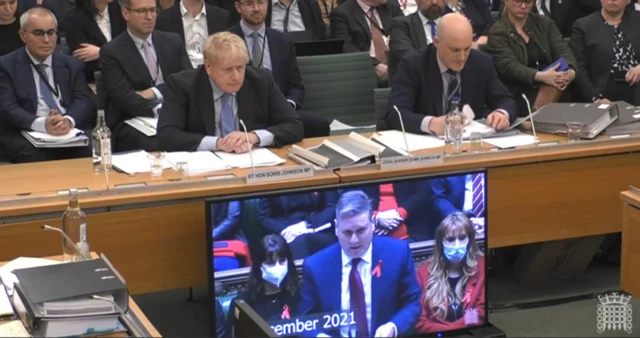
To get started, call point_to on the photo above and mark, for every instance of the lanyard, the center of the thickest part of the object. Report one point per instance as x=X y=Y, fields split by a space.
x=326 y=7
x=285 y=21
x=374 y=23
x=44 y=77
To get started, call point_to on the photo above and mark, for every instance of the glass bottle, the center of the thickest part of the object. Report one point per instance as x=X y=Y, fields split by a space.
x=453 y=129
x=101 y=142
x=74 y=225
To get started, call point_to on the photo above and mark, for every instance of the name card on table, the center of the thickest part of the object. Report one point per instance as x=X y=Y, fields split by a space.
x=280 y=174
x=425 y=160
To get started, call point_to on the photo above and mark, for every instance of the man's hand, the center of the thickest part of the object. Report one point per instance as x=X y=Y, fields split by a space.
x=291 y=232
x=386 y=330
x=237 y=142
x=87 y=52
x=147 y=94
x=381 y=70
x=603 y=101
x=498 y=120
x=633 y=75
x=437 y=124
x=389 y=219
x=56 y=124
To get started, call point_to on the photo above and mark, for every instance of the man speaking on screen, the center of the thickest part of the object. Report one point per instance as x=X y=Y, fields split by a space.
x=372 y=279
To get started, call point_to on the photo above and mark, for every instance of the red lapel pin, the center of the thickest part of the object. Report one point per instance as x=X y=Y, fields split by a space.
x=285 y=312
x=377 y=271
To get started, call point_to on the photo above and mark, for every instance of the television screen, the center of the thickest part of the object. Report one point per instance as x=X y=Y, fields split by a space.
x=400 y=257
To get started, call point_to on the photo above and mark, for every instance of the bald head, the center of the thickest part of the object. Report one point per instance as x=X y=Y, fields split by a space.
x=453 y=40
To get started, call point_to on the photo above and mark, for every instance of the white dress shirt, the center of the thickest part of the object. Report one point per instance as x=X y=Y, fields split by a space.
x=427 y=27
x=39 y=124
x=366 y=8
x=196 y=32
x=364 y=268
x=637 y=6
x=408 y=6
x=467 y=207
x=539 y=6
x=104 y=23
x=279 y=12
x=138 y=42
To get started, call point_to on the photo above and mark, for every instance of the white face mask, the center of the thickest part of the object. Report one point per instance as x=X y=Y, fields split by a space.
x=275 y=274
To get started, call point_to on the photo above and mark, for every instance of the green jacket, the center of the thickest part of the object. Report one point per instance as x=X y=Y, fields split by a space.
x=510 y=53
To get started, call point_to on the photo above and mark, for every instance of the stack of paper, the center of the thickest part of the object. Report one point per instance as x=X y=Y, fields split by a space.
x=134 y=162
x=74 y=138
x=395 y=140
x=340 y=128
x=261 y=157
x=145 y=125
x=9 y=278
x=511 y=141
x=198 y=162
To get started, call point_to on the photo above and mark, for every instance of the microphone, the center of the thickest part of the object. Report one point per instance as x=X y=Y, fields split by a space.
x=131 y=324
x=101 y=103
x=533 y=126
x=48 y=227
x=246 y=135
x=404 y=134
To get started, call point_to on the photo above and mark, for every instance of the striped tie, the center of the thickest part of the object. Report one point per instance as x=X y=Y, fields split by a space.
x=477 y=187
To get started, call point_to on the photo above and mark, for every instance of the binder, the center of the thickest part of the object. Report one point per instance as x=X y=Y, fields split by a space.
x=553 y=118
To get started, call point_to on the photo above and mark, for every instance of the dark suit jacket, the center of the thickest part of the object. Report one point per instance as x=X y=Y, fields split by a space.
x=170 y=20
x=447 y=196
x=348 y=23
x=18 y=96
x=284 y=64
x=80 y=26
x=418 y=89
x=311 y=17
x=277 y=213
x=224 y=219
x=228 y=5
x=406 y=34
x=592 y=45
x=58 y=7
x=188 y=111
x=124 y=72
x=479 y=15
x=395 y=294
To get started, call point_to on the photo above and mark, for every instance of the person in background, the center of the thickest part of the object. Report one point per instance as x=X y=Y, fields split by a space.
x=42 y=90
x=230 y=250
x=606 y=45
x=479 y=16
x=301 y=18
x=88 y=27
x=165 y=4
x=194 y=21
x=272 y=288
x=452 y=279
x=523 y=44
x=464 y=193
x=9 y=27
x=304 y=220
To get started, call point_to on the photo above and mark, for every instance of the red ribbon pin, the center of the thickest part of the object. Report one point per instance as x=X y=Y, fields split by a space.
x=377 y=271
x=467 y=297
x=285 y=312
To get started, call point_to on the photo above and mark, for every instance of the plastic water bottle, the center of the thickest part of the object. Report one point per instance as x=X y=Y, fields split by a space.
x=453 y=129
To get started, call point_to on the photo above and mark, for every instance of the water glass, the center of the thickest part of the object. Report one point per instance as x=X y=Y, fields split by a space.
x=156 y=162
x=182 y=168
x=573 y=131
x=475 y=142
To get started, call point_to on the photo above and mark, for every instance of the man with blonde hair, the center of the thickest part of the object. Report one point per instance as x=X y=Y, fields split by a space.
x=238 y=94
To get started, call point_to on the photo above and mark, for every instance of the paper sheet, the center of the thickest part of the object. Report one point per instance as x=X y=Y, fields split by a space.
x=261 y=157
x=13 y=328
x=510 y=141
x=5 y=305
x=134 y=162
x=9 y=278
x=198 y=162
x=337 y=125
x=394 y=139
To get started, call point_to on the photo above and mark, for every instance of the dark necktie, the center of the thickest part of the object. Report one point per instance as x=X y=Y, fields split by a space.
x=545 y=9
x=47 y=95
x=477 y=189
x=454 y=88
x=256 y=50
x=358 y=304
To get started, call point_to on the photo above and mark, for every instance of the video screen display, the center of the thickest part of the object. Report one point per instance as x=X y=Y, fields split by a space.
x=399 y=258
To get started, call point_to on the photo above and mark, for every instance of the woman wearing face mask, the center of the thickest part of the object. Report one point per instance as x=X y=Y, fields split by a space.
x=272 y=289
x=452 y=280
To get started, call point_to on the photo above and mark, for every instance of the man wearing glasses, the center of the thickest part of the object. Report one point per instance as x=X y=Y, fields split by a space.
x=44 y=91
x=134 y=68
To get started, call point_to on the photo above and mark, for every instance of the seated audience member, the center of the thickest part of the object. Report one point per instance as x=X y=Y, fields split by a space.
x=326 y=7
x=272 y=289
x=230 y=250
x=415 y=31
x=606 y=45
x=479 y=16
x=523 y=44
x=296 y=16
x=427 y=81
x=452 y=279
x=165 y=4
x=44 y=91
x=340 y=277
x=194 y=21
x=400 y=209
x=88 y=27
x=276 y=52
x=134 y=67
x=204 y=106
x=364 y=25
x=9 y=27
x=220 y=321
x=463 y=193
x=304 y=220
x=58 y=7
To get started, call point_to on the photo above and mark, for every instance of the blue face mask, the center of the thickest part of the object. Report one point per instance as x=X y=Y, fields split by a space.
x=455 y=254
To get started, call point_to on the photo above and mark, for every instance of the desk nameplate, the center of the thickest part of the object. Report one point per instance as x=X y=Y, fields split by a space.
x=398 y=162
x=280 y=174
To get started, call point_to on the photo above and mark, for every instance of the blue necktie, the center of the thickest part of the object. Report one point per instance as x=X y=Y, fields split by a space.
x=227 y=118
x=454 y=88
x=47 y=95
x=432 y=24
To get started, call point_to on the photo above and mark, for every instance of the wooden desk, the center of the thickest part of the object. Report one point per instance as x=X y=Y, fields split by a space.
x=630 y=265
x=133 y=307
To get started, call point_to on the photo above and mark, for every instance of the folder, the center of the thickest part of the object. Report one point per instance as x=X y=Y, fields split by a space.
x=553 y=118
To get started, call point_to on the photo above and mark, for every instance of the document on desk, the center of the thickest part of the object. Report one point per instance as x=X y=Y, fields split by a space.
x=395 y=140
x=262 y=157
x=198 y=162
x=13 y=328
x=511 y=141
x=9 y=278
x=145 y=125
x=340 y=126
x=5 y=305
x=135 y=162
x=74 y=138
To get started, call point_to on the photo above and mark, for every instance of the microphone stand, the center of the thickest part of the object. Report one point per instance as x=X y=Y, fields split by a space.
x=77 y=249
x=404 y=134
x=246 y=135
x=533 y=126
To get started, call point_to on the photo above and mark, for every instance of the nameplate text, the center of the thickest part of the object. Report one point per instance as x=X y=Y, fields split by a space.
x=425 y=160
x=279 y=174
